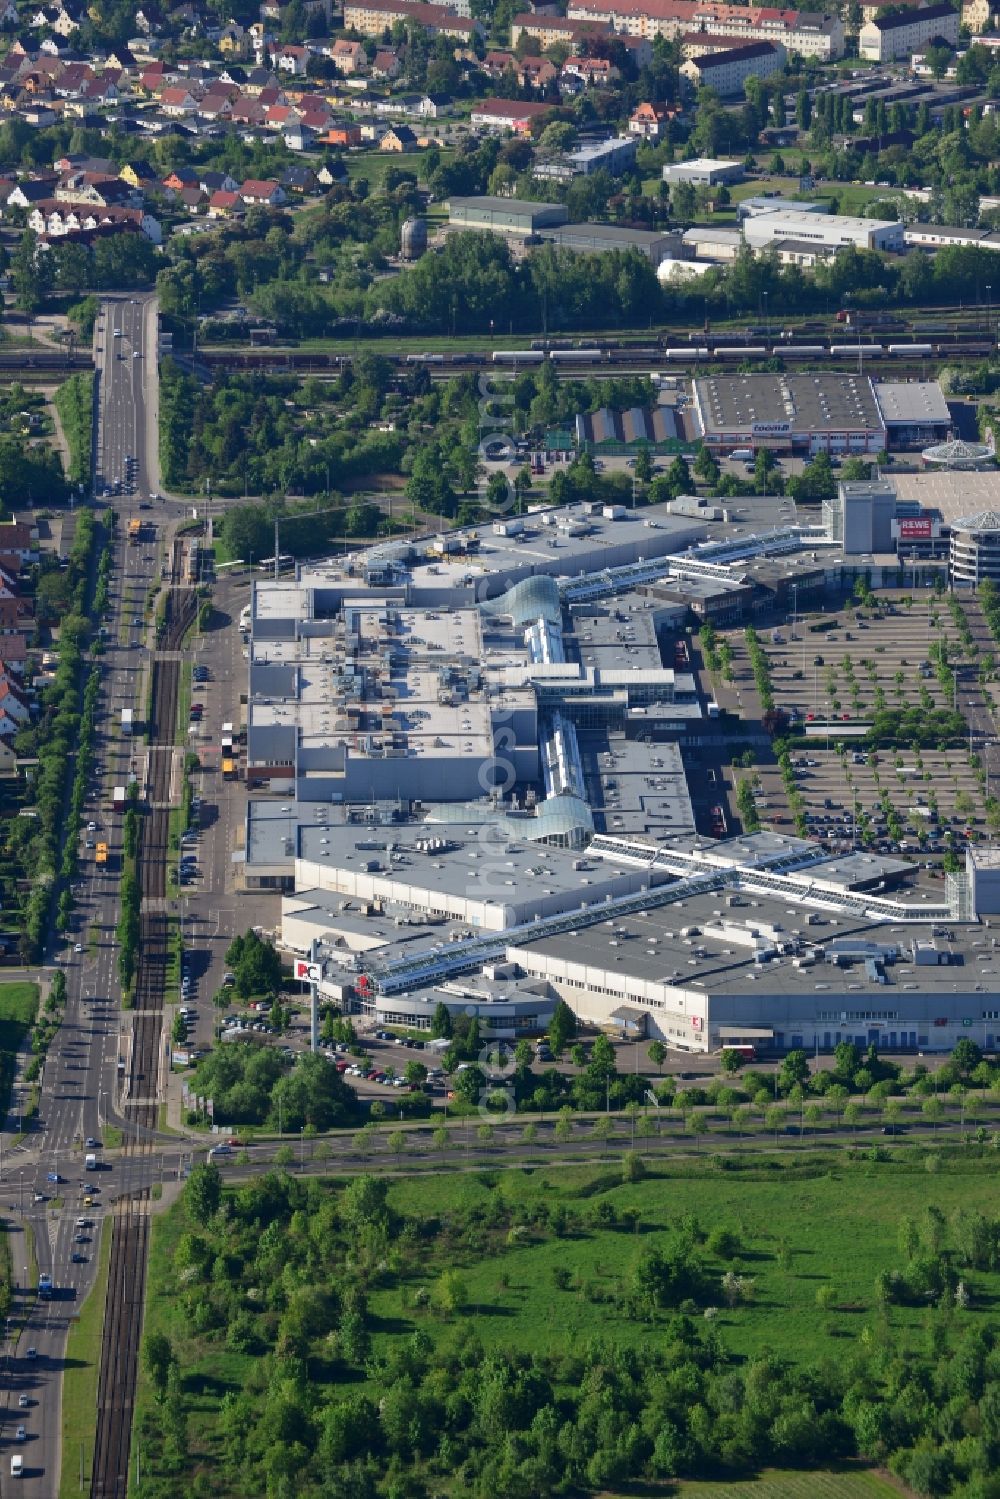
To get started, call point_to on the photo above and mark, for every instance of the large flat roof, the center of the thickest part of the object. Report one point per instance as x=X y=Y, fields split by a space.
x=807 y=403
x=912 y=401
x=951 y=492
x=704 y=943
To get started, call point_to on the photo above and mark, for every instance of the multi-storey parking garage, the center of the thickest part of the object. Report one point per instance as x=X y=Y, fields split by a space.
x=975 y=548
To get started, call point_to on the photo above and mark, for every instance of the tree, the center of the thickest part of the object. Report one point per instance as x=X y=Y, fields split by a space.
x=441 y=1025
x=256 y=965
x=731 y=1061
x=794 y=1069
x=706 y=465
x=415 y=1074
x=966 y=1056
x=203 y=1192
x=697 y=1125
x=450 y=1294
x=657 y=1054
x=643 y=464
x=158 y=1359
x=562 y=1027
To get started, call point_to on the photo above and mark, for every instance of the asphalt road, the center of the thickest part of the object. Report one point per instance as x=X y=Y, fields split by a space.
x=78 y=1088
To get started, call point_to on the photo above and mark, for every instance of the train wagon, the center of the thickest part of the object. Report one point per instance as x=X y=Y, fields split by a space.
x=917 y=350
x=801 y=351
x=578 y=356
x=518 y=356
x=847 y=351
x=742 y=351
x=689 y=353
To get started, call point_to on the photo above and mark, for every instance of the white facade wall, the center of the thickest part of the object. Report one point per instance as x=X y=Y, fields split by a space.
x=876 y=45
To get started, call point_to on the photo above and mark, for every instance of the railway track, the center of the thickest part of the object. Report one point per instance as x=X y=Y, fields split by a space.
x=130 y=1225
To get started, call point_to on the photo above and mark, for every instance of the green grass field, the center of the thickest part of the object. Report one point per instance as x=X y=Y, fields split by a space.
x=18 y=1009
x=801 y=1227
x=83 y=1364
x=855 y=1484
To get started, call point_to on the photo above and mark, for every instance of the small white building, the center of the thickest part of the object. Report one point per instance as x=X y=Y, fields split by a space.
x=830 y=231
x=703 y=172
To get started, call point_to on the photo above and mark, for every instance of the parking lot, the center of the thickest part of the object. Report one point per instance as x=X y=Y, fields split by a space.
x=835 y=670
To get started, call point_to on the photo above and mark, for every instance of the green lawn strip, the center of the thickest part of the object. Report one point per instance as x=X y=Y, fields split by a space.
x=851 y=1483
x=83 y=1366
x=183 y=703
x=18 y=1009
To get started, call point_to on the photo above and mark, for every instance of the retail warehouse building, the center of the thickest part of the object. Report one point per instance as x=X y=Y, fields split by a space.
x=790 y=413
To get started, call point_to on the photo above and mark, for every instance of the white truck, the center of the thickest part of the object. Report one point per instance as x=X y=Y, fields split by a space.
x=127 y=720
x=90 y=1161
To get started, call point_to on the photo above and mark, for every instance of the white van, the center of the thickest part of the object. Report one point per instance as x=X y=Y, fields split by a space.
x=17 y=1466
x=742 y=455
x=220 y=1150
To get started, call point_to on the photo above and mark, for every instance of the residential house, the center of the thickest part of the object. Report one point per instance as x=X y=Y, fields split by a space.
x=217 y=182
x=149 y=21
x=333 y=170
x=649 y=121
x=433 y=106
x=100 y=91
x=18 y=538
x=9 y=18
x=349 y=57
x=292 y=60
x=180 y=178
x=596 y=72
x=234 y=40
x=258 y=79
x=496 y=63
x=507 y=114
x=266 y=194
x=536 y=72
x=298 y=181
x=99 y=166
x=398 y=138
x=298 y=137
x=192 y=198
x=386 y=63
x=93 y=189
x=217 y=103
x=140 y=175
x=342 y=135
x=247 y=111
x=57 y=220
x=225 y=205
x=72 y=78
x=977 y=15
x=178 y=102
x=33 y=190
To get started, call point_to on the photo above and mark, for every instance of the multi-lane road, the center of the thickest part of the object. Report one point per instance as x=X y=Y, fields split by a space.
x=81 y=1078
